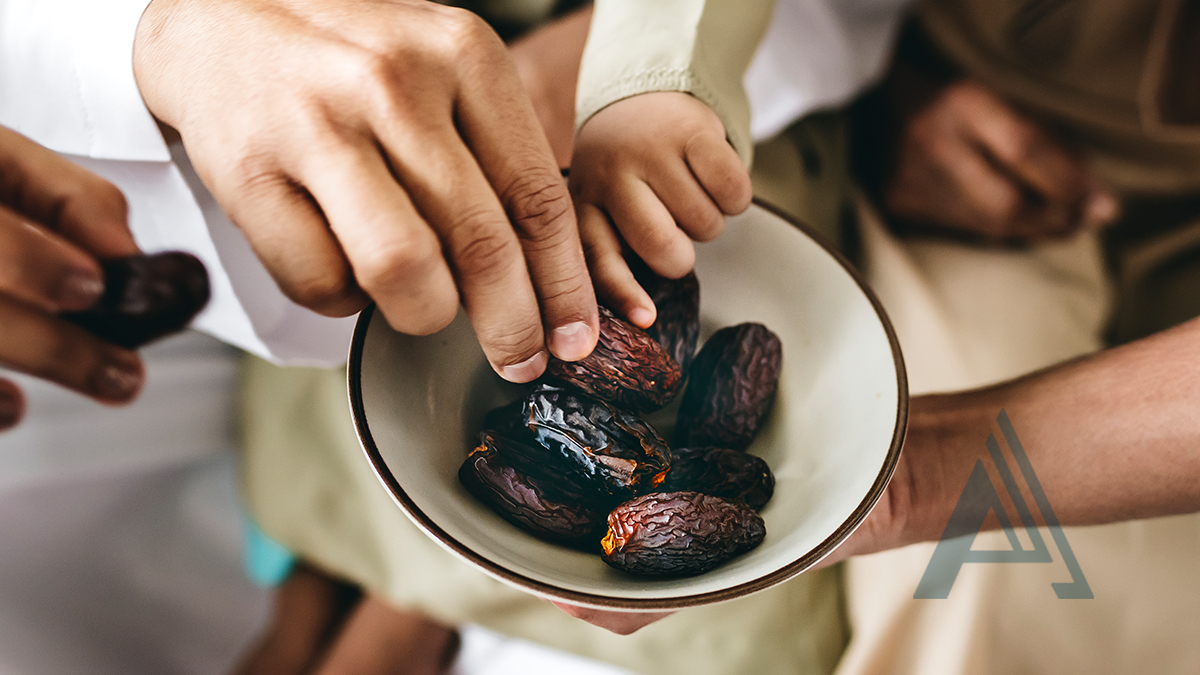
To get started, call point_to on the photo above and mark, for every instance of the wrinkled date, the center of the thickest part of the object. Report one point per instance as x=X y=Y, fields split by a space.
x=731 y=388
x=518 y=484
x=677 y=328
x=599 y=442
x=627 y=368
x=679 y=533
x=146 y=297
x=730 y=474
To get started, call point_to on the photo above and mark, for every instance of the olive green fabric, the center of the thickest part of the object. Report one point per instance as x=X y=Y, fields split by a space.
x=308 y=484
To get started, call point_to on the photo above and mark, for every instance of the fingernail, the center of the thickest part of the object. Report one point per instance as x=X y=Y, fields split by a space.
x=119 y=380
x=79 y=290
x=572 y=341
x=641 y=317
x=527 y=370
x=1102 y=208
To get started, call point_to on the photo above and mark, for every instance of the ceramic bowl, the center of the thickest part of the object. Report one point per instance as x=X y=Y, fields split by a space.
x=832 y=439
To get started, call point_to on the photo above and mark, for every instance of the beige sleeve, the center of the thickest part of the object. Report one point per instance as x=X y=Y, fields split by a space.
x=701 y=47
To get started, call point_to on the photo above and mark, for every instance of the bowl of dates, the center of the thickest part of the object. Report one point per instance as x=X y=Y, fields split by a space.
x=726 y=449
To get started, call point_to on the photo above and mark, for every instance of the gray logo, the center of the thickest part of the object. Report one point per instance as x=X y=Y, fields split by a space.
x=977 y=499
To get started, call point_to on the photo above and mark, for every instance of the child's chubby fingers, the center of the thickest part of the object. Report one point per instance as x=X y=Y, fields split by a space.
x=720 y=171
x=649 y=228
x=690 y=205
x=615 y=284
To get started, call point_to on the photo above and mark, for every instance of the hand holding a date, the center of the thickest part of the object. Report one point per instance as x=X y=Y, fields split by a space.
x=57 y=220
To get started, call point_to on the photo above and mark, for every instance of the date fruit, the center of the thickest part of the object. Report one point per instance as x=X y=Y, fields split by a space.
x=627 y=368
x=731 y=387
x=146 y=297
x=677 y=327
x=729 y=474
x=612 y=448
x=518 y=484
x=679 y=533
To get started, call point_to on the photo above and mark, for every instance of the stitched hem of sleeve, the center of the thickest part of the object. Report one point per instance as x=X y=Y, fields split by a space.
x=665 y=79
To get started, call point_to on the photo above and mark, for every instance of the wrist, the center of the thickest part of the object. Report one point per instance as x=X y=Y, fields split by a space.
x=946 y=435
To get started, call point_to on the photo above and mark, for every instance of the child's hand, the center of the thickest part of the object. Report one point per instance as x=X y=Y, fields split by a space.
x=656 y=166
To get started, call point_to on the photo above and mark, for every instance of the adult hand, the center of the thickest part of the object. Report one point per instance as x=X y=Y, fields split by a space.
x=56 y=219
x=383 y=150
x=967 y=161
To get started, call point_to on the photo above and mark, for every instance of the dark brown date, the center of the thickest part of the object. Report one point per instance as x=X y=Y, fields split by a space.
x=518 y=484
x=679 y=533
x=730 y=474
x=677 y=327
x=612 y=448
x=146 y=297
x=627 y=368
x=731 y=387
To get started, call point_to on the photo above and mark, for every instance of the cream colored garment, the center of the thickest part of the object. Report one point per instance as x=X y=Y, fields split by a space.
x=968 y=317
x=701 y=47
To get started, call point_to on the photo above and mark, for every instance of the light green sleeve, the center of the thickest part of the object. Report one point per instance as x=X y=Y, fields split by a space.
x=701 y=47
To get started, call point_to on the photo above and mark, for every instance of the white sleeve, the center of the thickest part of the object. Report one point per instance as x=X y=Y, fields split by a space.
x=66 y=78
x=66 y=81
x=818 y=54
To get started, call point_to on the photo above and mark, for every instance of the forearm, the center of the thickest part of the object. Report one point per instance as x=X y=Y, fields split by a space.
x=1113 y=436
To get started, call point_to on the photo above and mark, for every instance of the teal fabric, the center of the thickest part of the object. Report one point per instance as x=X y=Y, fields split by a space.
x=267 y=561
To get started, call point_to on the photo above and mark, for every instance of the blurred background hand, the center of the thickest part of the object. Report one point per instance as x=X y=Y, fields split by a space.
x=969 y=162
x=56 y=220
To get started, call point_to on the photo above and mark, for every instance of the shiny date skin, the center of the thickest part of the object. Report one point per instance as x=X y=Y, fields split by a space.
x=729 y=474
x=516 y=481
x=610 y=447
x=679 y=533
x=731 y=387
x=627 y=368
x=677 y=301
x=146 y=297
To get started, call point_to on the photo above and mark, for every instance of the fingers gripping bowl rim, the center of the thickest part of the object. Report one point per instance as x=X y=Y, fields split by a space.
x=833 y=439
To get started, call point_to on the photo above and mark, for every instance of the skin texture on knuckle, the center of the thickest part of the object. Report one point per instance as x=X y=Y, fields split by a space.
x=539 y=205
x=327 y=292
x=511 y=343
x=481 y=250
x=728 y=182
x=465 y=39
x=702 y=222
x=393 y=265
x=665 y=254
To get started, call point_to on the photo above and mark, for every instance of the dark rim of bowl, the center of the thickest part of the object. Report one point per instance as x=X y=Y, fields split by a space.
x=354 y=383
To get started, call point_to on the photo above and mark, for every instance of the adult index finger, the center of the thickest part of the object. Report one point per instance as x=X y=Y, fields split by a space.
x=455 y=198
x=498 y=123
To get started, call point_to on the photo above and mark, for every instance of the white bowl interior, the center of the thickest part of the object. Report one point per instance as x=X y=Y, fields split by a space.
x=831 y=440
